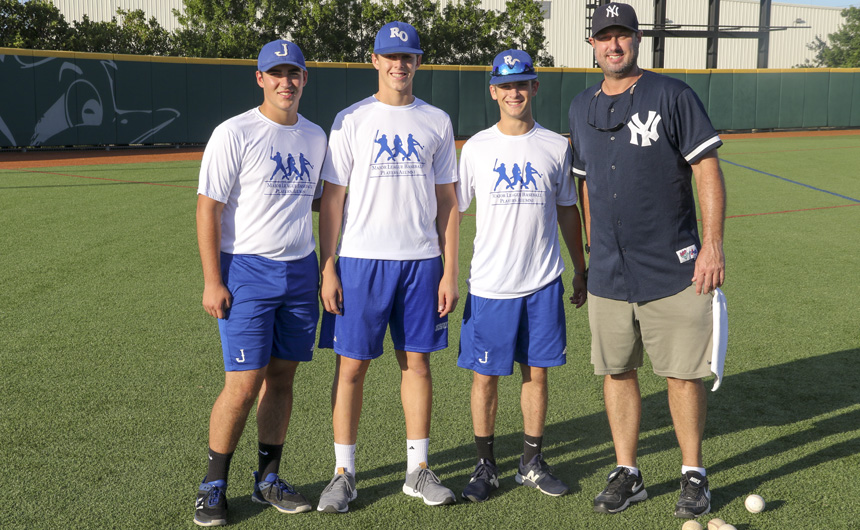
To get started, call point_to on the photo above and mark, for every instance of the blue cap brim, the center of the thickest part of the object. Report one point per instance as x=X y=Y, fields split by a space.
x=398 y=49
x=499 y=79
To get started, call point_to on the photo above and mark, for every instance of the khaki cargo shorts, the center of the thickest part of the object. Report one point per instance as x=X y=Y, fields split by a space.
x=676 y=331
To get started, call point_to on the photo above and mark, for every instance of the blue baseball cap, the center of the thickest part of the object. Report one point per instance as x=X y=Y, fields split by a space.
x=397 y=37
x=511 y=66
x=280 y=52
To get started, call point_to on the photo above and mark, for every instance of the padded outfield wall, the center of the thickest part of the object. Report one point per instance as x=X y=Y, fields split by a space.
x=50 y=98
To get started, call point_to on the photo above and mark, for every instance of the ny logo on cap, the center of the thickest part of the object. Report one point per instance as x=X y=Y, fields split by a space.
x=396 y=33
x=510 y=61
x=286 y=51
x=611 y=11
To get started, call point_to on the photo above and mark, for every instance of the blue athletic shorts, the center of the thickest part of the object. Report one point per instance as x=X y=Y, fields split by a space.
x=529 y=330
x=274 y=311
x=400 y=295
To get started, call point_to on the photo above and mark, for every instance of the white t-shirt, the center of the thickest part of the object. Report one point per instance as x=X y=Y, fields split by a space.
x=517 y=182
x=392 y=158
x=266 y=175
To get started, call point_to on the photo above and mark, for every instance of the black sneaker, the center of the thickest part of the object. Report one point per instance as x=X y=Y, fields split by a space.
x=483 y=481
x=695 y=496
x=624 y=488
x=279 y=494
x=211 y=504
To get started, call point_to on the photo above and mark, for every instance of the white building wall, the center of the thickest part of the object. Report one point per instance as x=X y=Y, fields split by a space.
x=566 y=36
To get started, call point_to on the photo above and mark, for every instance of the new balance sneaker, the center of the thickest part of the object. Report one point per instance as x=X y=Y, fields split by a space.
x=695 y=497
x=279 y=494
x=623 y=489
x=211 y=504
x=339 y=493
x=536 y=474
x=424 y=484
x=483 y=481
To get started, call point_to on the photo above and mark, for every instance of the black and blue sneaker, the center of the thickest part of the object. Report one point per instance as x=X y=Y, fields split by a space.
x=536 y=474
x=211 y=504
x=695 y=497
x=483 y=481
x=279 y=494
x=624 y=488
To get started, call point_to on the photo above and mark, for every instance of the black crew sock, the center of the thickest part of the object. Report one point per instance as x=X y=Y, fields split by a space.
x=532 y=445
x=269 y=457
x=484 y=445
x=219 y=466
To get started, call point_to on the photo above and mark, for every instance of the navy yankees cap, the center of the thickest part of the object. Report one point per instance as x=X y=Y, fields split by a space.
x=280 y=52
x=511 y=66
x=397 y=37
x=614 y=14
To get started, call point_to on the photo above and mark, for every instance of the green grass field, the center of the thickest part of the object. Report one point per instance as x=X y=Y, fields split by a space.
x=110 y=367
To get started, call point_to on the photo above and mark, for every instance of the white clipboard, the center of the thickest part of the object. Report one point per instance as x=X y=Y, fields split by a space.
x=721 y=337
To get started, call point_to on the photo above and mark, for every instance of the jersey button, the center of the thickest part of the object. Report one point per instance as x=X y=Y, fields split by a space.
x=614 y=195
x=619 y=222
x=612 y=109
x=612 y=138
x=613 y=166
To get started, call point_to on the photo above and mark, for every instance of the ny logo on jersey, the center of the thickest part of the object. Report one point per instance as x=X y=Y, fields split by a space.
x=285 y=52
x=647 y=130
x=510 y=61
x=397 y=34
x=611 y=11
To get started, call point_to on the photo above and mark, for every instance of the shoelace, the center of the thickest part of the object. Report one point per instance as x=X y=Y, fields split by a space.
x=484 y=472
x=426 y=476
x=336 y=481
x=617 y=482
x=214 y=496
x=689 y=490
x=282 y=488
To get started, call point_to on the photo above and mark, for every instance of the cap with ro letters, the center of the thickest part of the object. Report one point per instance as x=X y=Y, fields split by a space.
x=397 y=37
x=614 y=14
x=280 y=52
x=511 y=66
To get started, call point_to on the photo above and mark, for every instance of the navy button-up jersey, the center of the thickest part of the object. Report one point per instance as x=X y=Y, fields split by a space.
x=634 y=150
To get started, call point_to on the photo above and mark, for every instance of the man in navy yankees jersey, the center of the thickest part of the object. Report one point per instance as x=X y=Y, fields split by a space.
x=637 y=139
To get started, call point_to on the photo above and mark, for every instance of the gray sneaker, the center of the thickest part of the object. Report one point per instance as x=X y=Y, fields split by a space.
x=337 y=495
x=425 y=484
x=279 y=494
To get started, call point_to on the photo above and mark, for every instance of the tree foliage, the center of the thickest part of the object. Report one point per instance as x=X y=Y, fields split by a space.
x=460 y=32
x=842 y=49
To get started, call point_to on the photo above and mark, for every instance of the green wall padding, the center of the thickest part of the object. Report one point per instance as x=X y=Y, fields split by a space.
x=791 y=96
x=720 y=97
x=743 y=101
x=767 y=100
x=18 y=103
x=839 y=105
x=169 y=103
x=473 y=85
x=204 y=103
x=77 y=99
x=816 y=86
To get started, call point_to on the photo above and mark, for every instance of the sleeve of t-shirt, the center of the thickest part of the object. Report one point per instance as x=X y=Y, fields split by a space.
x=466 y=184
x=338 y=159
x=692 y=128
x=565 y=184
x=577 y=165
x=221 y=164
x=445 y=158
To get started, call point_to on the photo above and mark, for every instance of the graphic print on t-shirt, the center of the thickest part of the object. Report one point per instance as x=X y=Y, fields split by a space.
x=515 y=188
x=290 y=181
x=394 y=158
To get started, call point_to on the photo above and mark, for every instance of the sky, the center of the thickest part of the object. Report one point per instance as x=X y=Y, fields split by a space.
x=825 y=3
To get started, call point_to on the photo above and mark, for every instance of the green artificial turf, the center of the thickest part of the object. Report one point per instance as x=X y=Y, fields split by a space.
x=110 y=367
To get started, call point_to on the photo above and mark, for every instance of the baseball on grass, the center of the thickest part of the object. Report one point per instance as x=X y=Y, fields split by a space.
x=715 y=524
x=728 y=526
x=754 y=503
x=691 y=525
